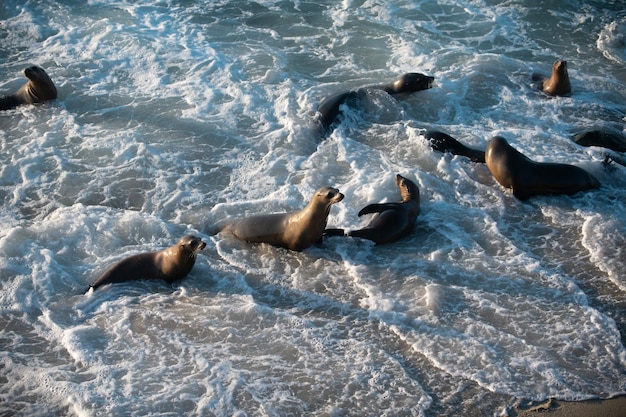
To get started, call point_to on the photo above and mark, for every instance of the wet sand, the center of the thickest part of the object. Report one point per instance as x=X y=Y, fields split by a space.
x=614 y=407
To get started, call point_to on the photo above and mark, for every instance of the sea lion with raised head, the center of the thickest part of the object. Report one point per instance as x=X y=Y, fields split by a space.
x=38 y=88
x=393 y=220
x=407 y=83
x=296 y=231
x=445 y=143
x=527 y=178
x=170 y=264
x=558 y=83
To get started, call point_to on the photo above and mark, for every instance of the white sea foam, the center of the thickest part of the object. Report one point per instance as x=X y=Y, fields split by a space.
x=612 y=41
x=174 y=116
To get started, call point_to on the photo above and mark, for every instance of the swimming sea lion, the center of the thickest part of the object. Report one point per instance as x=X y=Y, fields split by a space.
x=604 y=138
x=407 y=83
x=527 y=178
x=38 y=89
x=296 y=231
x=443 y=142
x=394 y=220
x=170 y=264
x=558 y=84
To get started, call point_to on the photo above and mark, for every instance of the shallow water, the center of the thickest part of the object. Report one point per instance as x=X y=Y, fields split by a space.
x=173 y=116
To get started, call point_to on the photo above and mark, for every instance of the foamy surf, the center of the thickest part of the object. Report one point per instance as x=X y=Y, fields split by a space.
x=174 y=117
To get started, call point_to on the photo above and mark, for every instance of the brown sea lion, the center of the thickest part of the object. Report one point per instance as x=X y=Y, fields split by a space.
x=407 y=83
x=37 y=89
x=443 y=142
x=296 y=231
x=170 y=264
x=393 y=220
x=527 y=178
x=558 y=83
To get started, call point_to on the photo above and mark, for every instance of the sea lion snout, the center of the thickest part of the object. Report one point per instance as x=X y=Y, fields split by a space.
x=330 y=194
x=338 y=197
x=29 y=72
x=412 y=82
x=193 y=243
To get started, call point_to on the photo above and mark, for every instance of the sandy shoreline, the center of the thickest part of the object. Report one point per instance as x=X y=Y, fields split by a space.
x=613 y=407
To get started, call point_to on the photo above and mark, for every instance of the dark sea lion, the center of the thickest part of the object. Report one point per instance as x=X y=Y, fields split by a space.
x=407 y=83
x=527 y=178
x=37 y=89
x=393 y=220
x=615 y=141
x=296 y=231
x=443 y=142
x=170 y=264
x=558 y=83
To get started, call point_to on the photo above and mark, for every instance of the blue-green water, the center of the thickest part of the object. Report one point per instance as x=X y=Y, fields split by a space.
x=175 y=115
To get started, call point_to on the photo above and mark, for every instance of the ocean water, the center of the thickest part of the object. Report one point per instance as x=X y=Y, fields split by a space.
x=175 y=115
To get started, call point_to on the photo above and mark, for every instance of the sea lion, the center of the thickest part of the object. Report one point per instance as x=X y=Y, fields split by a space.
x=603 y=138
x=37 y=89
x=170 y=264
x=393 y=220
x=558 y=84
x=527 y=178
x=443 y=142
x=406 y=83
x=296 y=231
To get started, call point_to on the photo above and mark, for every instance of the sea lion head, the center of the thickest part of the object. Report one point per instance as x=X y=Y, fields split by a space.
x=560 y=67
x=176 y=261
x=408 y=189
x=558 y=84
x=412 y=82
x=40 y=87
x=191 y=244
x=326 y=196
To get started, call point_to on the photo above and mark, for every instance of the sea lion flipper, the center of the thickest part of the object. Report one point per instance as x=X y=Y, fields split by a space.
x=376 y=208
x=442 y=142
